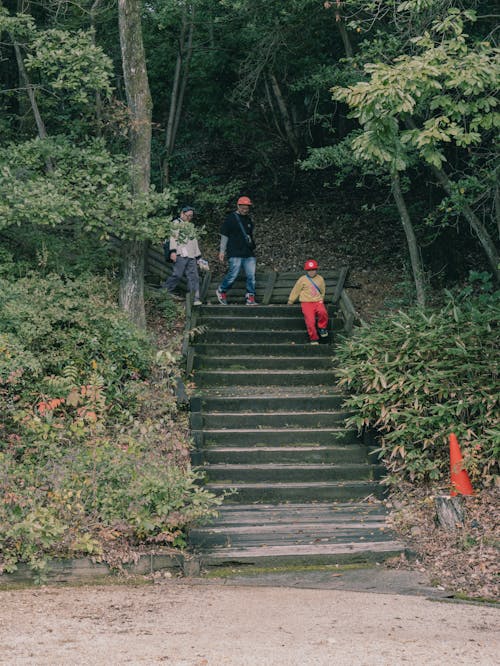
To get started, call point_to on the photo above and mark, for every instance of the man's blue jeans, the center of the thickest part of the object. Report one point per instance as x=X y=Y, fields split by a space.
x=235 y=264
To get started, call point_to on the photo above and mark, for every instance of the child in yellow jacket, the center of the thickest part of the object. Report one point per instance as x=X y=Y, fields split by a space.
x=310 y=290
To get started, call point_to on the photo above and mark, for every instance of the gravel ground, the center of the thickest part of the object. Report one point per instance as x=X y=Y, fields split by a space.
x=183 y=624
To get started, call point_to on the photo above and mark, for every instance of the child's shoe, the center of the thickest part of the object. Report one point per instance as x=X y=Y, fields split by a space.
x=323 y=333
x=314 y=342
x=250 y=299
x=221 y=296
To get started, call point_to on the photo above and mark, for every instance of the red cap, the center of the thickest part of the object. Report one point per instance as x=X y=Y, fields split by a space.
x=311 y=265
x=244 y=201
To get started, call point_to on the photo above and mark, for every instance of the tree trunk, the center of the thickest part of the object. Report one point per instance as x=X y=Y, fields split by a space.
x=416 y=262
x=343 y=32
x=285 y=116
x=177 y=93
x=476 y=224
x=450 y=511
x=139 y=104
x=23 y=75
x=188 y=51
x=98 y=101
x=497 y=208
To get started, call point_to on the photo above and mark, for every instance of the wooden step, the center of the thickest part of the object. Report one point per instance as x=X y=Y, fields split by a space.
x=282 y=454
x=278 y=437
x=267 y=535
x=264 y=403
x=225 y=473
x=326 y=491
x=246 y=377
x=278 y=419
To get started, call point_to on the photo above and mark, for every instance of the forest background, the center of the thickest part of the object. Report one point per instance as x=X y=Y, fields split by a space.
x=366 y=132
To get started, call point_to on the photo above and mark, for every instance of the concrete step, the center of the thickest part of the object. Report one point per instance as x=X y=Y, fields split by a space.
x=287 y=473
x=314 y=491
x=264 y=377
x=278 y=437
x=282 y=454
x=296 y=419
x=211 y=362
x=267 y=403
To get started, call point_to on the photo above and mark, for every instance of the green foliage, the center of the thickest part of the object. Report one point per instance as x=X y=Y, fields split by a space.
x=162 y=303
x=60 y=321
x=450 y=82
x=418 y=375
x=72 y=64
x=88 y=188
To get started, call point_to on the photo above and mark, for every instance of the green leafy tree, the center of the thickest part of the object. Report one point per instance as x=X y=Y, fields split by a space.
x=442 y=95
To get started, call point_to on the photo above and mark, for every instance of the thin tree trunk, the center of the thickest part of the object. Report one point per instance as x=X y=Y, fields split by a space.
x=181 y=74
x=98 y=100
x=271 y=106
x=173 y=103
x=497 y=208
x=344 y=35
x=416 y=262
x=188 y=51
x=476 y=224
x=139 y=104
x=285 y=116
x=23 y=75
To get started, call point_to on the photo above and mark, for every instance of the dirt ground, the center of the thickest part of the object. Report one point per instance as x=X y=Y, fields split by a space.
x=191 y=625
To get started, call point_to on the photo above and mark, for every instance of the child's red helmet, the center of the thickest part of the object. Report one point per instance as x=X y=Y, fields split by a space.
x=311 y=265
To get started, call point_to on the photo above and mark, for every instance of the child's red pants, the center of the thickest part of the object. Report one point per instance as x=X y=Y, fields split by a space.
x=315 y=314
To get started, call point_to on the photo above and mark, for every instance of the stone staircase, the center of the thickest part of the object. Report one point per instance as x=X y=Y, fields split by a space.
x=268 y=428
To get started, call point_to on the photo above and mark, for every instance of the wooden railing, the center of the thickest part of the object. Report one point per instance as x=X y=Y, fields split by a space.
x=272 y=287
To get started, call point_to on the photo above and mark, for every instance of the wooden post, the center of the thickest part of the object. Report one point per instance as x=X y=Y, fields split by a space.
x=340 y=284
x=268 y=292
x=189 y=360
x=205 y=284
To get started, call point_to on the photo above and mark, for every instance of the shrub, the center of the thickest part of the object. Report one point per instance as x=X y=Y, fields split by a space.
x=73 y=321
x=91 y=452
x=416 y=376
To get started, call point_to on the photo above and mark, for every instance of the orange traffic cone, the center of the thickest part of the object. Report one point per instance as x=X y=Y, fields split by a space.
x=460 y=482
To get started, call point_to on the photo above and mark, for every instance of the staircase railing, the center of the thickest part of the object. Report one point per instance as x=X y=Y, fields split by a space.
x=157 y=266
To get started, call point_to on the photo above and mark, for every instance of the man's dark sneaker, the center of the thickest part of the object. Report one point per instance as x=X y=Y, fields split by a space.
x=175 y=297
x=323 y=333
x=250 y=299
x=221 y=297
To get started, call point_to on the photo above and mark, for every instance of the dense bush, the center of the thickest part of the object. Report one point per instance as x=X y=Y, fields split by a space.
x=91 y=449
x=416 y=376
x=72 y=322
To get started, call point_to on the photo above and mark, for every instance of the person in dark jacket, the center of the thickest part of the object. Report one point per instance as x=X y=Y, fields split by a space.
x=238 y=244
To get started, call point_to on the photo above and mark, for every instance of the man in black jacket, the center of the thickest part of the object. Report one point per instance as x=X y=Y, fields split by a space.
x=237 y=242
